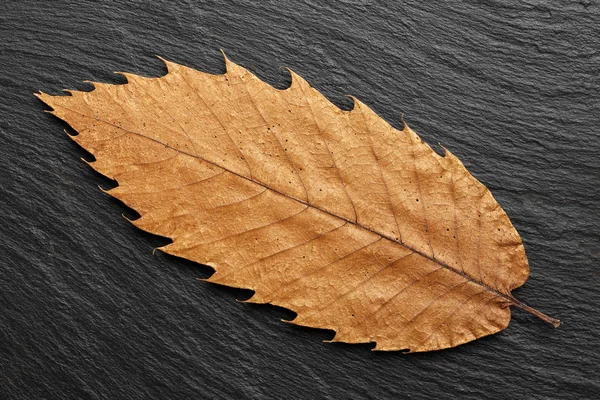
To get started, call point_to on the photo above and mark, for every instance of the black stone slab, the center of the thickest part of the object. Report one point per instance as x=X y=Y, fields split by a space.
x=86 y=311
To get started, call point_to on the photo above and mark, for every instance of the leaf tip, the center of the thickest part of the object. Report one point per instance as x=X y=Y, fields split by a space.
x=224 y=55
x=100 y=187
x=355 y=103
x=404 y=124
x=384 y=348
x=126 y=75
x=228 y=62
x=88 y=163
x=293 y=75
x=73 y=137
x=446 y=151
x=45 y=98
x=154 y=249
x=168 y=64
x=94 y=84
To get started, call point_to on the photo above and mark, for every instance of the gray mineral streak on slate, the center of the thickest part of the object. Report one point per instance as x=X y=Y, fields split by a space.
x=512 y=88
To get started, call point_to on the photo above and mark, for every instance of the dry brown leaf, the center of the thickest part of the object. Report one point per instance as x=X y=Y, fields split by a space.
x=354 y=225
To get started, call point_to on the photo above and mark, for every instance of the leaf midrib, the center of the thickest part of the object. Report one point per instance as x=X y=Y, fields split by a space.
x=510 y=299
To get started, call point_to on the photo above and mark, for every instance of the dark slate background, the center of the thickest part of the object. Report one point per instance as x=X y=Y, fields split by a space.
x=511 y=87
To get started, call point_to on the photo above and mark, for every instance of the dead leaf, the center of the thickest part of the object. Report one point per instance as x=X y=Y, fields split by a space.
x=354 y=225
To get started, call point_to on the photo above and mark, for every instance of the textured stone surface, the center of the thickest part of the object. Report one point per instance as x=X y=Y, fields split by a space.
x=86 y=310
